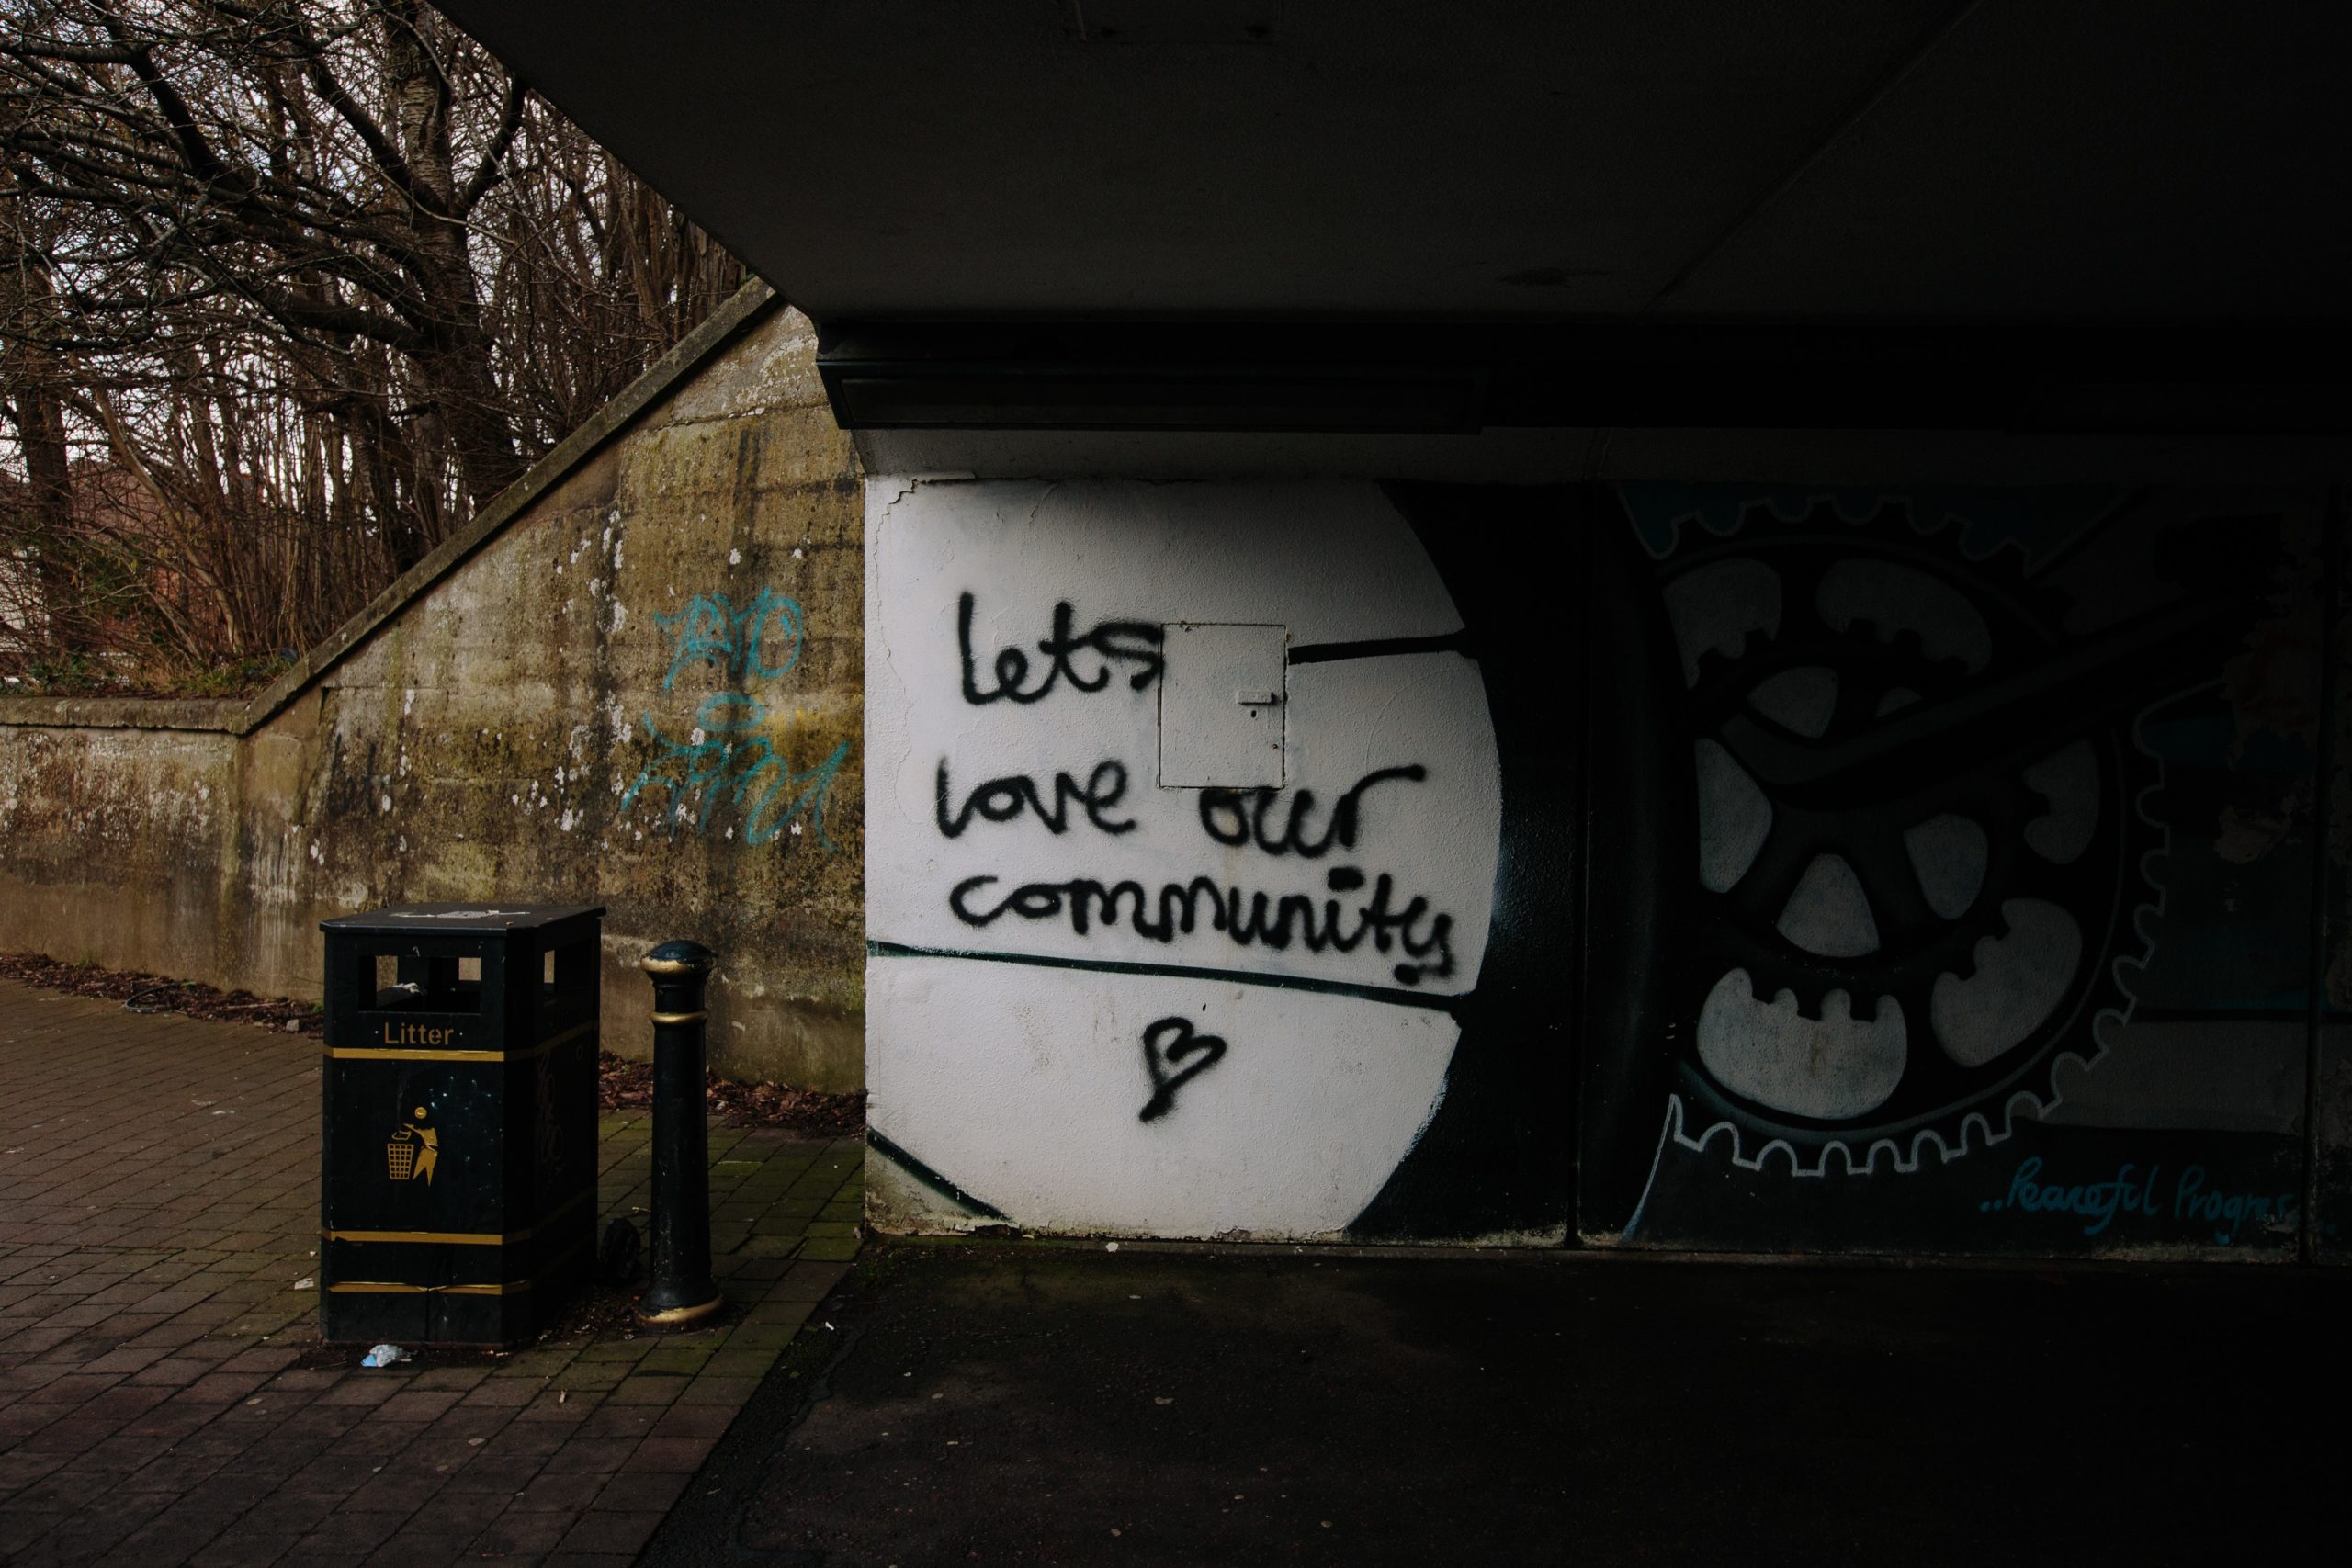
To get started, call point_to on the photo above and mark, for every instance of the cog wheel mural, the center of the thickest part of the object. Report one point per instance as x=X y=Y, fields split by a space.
x=1920 y=847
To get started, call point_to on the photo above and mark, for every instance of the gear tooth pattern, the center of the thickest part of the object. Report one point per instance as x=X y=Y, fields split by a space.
x=1958 y=1109
x=2006 y=563
x=1861 y=1154
x=1822 y=514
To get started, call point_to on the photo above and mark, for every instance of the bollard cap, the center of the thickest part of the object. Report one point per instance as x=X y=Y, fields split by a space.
x=680 y=957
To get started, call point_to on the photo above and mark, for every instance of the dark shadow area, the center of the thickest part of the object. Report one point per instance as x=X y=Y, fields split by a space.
x=1000 y=1403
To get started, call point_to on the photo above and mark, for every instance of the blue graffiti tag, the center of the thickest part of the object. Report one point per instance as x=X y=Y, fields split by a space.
x=2098 y=1201
x=762 y=639
x=2227 y=1211
x=724 y=759
x=2128 y=1192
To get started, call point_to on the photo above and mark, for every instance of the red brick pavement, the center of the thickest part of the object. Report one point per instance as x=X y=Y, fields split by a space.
x=160 y=1206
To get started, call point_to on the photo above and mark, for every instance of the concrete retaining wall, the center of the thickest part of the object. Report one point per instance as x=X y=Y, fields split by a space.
x=637 y=680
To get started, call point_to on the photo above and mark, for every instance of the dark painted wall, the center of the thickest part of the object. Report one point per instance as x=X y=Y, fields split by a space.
x=1948 y=872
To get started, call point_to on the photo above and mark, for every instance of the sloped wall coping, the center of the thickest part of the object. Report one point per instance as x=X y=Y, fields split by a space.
x=222 y=715
x=745 y=309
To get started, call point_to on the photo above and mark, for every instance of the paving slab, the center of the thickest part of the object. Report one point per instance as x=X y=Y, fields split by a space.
x=163 y=1398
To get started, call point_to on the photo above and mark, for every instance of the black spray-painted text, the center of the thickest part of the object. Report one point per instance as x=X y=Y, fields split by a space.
x=1238 y=816
x=1167 y=1042
x=1243 y=918
x=1001 y=800
x=1112 y=642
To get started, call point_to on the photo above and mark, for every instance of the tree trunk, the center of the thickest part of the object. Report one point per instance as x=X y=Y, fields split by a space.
x=455 y=369
x=40 y=419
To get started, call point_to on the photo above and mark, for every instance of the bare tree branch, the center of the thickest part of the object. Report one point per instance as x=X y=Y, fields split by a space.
x=287 y=289
x=491 y=171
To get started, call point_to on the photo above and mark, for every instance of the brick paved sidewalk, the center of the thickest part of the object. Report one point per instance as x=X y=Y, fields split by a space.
x=163 y=1398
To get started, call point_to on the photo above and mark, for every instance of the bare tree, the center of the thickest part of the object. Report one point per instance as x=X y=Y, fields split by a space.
x=287 y=291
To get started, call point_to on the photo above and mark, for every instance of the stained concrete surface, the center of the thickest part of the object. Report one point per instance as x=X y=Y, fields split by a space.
x=526 y=722
x=1004 y=1403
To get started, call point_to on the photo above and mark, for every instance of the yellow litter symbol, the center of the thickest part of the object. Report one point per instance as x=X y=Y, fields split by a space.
x=413 y=1151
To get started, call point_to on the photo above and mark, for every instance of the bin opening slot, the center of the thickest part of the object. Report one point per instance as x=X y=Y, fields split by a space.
x=409 y=982
x=568 y=977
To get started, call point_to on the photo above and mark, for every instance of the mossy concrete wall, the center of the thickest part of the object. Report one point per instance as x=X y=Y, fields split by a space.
x=638 y=682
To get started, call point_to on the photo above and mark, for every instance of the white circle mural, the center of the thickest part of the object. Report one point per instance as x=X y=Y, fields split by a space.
x=1182 y=824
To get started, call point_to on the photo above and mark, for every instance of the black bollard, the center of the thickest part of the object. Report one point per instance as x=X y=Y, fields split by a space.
x=679 y=1288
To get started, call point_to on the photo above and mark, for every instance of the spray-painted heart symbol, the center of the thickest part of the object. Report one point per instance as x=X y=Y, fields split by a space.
x=1167 y=1042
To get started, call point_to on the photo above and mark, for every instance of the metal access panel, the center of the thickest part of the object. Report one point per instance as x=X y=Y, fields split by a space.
x=1223 y=698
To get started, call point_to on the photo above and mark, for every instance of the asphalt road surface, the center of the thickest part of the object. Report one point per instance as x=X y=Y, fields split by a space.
x=1011 y=1403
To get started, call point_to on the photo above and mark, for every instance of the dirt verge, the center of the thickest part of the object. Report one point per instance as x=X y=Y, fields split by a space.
x=621 y=1085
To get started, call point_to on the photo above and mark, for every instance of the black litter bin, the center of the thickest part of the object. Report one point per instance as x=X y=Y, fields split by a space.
x=458 y=1188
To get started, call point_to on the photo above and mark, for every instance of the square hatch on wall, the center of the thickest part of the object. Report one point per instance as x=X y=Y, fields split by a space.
x=1223 y=693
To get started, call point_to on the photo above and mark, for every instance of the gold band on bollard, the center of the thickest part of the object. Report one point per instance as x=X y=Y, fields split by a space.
x=680 y=1017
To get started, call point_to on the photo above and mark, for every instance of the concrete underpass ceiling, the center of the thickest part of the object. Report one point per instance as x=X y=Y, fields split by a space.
x=1643 y=165
x=1836 y=158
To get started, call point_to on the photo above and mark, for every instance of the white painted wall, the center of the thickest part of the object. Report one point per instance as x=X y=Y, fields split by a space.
x=1009 y=1057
